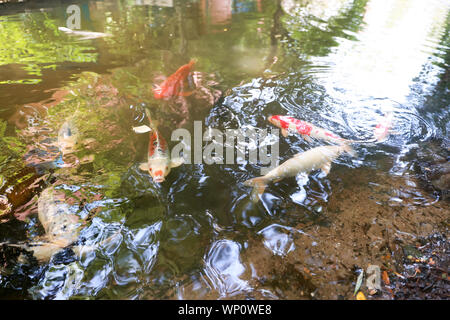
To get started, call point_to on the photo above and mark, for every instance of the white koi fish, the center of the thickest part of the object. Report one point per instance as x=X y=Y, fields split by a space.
x=316 y=158
x=85 y=35
x=159 y=162
x=68 y=136
x=61 y=226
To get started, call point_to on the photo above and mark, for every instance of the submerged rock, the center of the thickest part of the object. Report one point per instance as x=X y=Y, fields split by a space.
x=433 y=167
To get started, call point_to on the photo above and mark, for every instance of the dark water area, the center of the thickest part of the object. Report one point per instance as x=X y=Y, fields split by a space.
x=79 y=219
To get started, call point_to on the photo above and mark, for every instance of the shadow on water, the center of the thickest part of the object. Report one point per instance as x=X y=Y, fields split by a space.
x=67 y=145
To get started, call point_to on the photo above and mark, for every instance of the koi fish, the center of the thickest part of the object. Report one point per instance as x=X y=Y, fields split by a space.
x=85 y=35
x=60 y=225
x=383 y=128
x=174 y=84
x=159 y=162
x=316 y=158
x=305 y=129
x=68 y=136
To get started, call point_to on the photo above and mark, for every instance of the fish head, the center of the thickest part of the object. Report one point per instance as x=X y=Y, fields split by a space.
x=275 y=120
x=157 y=92
x=68 y=137
x=158 y=169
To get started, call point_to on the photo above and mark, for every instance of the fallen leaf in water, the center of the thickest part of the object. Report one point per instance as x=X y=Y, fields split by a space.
x=359 y=281
x=360 y=296
x=386 y=278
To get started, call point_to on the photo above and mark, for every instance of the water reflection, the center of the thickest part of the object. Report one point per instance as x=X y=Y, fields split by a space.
x=341 y=65
x=278 y=239
x=223 y=268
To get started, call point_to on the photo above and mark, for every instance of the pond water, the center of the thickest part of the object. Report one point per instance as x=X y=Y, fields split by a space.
x=68 y=103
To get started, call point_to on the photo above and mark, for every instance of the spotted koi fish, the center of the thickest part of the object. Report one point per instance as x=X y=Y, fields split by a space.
x=174 y=84
x=159 y=162
x=307 y=130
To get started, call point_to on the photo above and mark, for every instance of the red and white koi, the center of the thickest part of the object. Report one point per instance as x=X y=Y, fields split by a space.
x=305 y=129
x=174 y=84
x=159 y=163
x=316 y=158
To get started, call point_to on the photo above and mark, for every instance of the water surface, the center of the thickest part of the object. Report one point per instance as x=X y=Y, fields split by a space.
x=341 y=65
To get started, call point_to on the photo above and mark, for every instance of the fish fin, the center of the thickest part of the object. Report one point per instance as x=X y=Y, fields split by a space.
x=175 y=162
x=45 y=251
x=192 y=62
x=326 y=168
x=156 y=87
x=80 y=250
x=306 y=138
x=157 y=91
x=259 y=184
x=64 y=29
x=143 y=166
x=284 y=132
x=142 y=129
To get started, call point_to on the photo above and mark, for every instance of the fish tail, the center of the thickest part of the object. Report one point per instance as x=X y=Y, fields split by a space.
x=259 y=184
x=192 y=62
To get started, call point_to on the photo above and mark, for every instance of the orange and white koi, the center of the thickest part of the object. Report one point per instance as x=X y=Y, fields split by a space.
x=174 y=84
x=316 y=158
x=159 y=163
